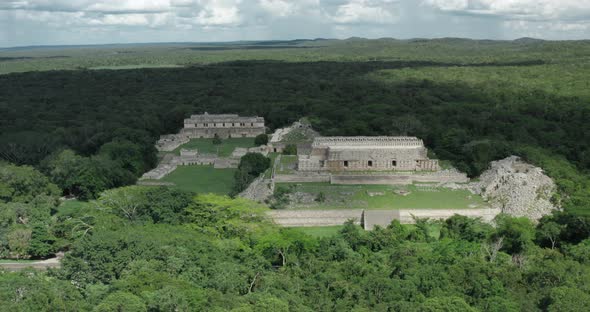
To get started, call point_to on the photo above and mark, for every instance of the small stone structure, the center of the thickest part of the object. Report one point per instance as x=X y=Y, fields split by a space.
x=170 y=142
x=350 y=154
x=224 y=126
x=159 y=172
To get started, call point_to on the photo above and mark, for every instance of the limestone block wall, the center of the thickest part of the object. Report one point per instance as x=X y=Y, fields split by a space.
x=372 y=179
x=399 y=179
x=382 y=218
x=406 y=216
x=292 y=218
x=302 y=178
x=371 y=218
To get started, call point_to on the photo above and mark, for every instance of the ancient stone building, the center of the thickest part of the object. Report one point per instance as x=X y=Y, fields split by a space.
x=340 y=154
x=224 y=126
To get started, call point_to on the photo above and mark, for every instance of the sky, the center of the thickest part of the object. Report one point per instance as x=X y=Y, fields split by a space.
x=61 y=22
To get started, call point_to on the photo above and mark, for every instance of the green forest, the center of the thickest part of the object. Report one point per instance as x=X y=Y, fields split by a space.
x=70 y=129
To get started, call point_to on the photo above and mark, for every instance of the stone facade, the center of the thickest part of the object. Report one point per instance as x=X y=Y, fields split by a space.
x=349 y=154
x=224 y=126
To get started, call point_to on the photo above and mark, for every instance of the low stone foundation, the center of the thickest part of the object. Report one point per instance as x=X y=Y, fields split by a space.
x=297 y=218
x=400 y=179
x=302 y=178
x=371 y=218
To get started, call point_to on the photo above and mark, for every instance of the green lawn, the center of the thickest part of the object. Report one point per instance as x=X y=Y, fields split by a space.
x=202 y=179
x=286 y=165
x=224 y=149
x=321 y=231
x=356 y=197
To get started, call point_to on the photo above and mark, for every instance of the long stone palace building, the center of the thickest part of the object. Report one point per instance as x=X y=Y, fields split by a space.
x=210 y=125
x=358 y=154
x=224 y=126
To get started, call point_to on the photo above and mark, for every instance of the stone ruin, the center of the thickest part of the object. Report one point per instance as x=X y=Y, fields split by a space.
x=223 y=126
x=211 y=125
x=516 y=188
x=349 y=154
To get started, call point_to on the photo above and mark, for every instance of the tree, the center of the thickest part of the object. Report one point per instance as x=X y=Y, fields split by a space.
x=121 y=301
x=446 y=304
x=549 y=231
x=128 y=155
x=42 y=243
x=406 y=125
x=250 y=167
x=24 y=184
x=517 y=233
x=125 y=202
x=465 y=228
x=565 y=299
x=285 y=243
x=19 y=240
x=261 y=139
x=290 y=149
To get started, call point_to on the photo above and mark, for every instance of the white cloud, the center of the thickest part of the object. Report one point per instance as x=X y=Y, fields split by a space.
x=366 y=12
x=146 y=20
x=531 y=18
x=518 y=9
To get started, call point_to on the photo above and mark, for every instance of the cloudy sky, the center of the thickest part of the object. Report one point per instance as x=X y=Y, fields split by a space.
x=52 y=22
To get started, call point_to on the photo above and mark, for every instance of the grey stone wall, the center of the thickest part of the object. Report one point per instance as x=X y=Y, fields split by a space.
x=400 y=179
x=371 y=218
x=293 y=218
x=302 y=178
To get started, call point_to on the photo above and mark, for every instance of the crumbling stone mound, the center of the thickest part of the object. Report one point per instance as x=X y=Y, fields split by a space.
x=517 y=188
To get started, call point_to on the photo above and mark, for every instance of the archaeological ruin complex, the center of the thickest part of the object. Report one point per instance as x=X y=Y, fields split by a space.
x=357 y=154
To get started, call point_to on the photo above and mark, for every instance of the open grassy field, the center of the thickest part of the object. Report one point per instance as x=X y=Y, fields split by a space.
x=202 y=179
x=321 y=231
x=224 y=149
x=357 y=197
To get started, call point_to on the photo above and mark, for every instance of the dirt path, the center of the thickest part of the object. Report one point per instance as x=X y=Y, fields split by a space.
x=39 y=265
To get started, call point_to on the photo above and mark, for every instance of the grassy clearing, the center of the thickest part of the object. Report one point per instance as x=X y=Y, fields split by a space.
x=357 y=197
x=224 y=149
x=287 y=164
x=321 y=231
x=202 y=179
